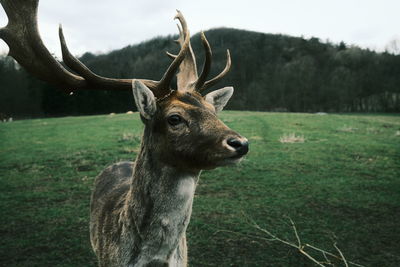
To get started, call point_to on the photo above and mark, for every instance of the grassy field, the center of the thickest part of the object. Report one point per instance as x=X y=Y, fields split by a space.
x=342 y=184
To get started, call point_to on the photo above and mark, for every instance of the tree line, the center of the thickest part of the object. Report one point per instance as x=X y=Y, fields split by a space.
x=269 y=72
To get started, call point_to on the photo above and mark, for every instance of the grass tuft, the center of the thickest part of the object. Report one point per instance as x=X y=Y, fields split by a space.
x=292 y=138
x=128 y=137
x=346 y=128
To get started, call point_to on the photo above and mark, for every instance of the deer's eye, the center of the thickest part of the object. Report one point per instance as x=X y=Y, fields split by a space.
x=174 y=120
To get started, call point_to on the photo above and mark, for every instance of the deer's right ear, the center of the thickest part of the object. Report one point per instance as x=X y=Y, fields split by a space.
x=144 y=99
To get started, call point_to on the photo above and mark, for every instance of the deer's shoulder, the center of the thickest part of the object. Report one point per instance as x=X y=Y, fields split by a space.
x=115 y=178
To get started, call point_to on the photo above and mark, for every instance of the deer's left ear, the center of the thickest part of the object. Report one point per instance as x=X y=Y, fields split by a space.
x=144 y=99
x=219 y=98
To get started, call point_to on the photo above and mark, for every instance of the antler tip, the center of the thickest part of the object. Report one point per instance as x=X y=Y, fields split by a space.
x=178 y=14
x=61 y=36
x=61 y=33
x=60 y=28
x=170 y=55
x=203 y=36
x=181 y=19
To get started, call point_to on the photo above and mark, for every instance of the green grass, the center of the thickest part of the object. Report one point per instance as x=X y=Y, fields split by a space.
x=341 y=185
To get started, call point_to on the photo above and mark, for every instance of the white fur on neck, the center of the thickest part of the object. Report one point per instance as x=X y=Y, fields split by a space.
x=173 y=222
x=186 y=186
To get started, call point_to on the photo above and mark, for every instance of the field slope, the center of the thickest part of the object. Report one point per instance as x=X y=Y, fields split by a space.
x=340 y=184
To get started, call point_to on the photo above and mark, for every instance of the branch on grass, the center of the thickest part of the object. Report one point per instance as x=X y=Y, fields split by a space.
x=301 y=247
x=341 y=254
x=241 y=234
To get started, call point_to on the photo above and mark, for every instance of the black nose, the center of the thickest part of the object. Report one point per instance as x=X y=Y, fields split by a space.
x=241 y=146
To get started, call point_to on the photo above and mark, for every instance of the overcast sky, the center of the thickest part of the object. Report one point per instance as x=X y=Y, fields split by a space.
x=103 y=25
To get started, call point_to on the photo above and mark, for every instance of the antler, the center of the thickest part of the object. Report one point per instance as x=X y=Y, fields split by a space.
x=221 y=75
x=187 y=70
x=25 y=46
x=187 y=75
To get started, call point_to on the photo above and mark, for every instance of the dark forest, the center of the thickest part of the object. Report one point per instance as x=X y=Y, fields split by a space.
x=269 y=73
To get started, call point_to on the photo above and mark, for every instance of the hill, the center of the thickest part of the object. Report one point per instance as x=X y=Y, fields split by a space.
x=269 y=72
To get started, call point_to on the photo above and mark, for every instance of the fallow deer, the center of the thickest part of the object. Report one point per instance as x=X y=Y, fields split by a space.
x=140 y=210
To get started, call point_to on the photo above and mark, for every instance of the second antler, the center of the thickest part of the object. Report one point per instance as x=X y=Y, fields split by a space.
x=187 y=75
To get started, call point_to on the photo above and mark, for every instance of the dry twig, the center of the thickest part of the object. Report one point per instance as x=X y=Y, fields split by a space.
x=301 y=248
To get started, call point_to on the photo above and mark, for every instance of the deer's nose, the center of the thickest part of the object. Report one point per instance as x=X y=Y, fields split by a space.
x=240 y=145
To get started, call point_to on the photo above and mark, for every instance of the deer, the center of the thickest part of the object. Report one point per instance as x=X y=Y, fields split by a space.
x=140 y=210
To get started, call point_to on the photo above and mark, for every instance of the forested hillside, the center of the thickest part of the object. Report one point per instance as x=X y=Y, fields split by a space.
x=269 y=73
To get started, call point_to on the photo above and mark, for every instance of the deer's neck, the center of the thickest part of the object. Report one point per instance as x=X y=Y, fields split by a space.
x=160 y=202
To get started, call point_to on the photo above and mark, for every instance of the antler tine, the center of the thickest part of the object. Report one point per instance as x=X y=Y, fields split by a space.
x=185 y=46
x=187 y=70
x=183 y=28
x=207 y=63
x=95 y=80
x=181 y=37
x=77 y=65
x=171 y=56
x=217 y=78
x=179 y=41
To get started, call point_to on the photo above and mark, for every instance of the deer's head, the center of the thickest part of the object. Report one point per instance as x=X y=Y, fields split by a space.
x=182 y=125
x=184 y=128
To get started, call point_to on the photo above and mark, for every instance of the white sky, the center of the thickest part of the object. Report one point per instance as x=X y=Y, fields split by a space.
x=105 y=25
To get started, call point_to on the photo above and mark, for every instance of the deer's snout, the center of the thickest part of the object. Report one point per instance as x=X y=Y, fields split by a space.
x=239 y=144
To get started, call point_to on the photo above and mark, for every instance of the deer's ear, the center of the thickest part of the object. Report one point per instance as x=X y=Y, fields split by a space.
x=219 y=98
x=144 y=99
